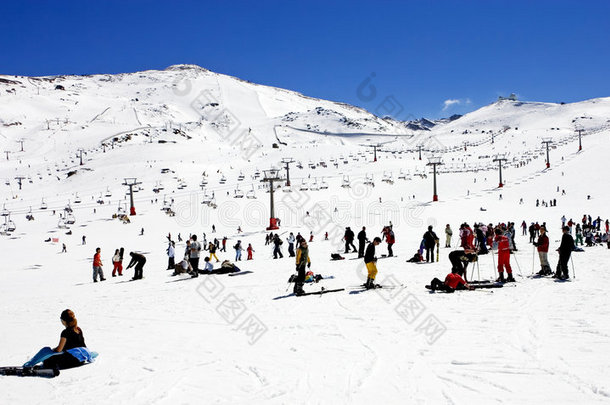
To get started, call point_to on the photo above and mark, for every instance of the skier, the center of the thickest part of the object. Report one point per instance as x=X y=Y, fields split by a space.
x=448 y=234
x=97 y=265
x=277 y=242
x=503 y=246
x=452 y=282
x=311 y=236
x=291 y=241
x=238 y=250
x=370 y=261
x=63 y=248
x=565 y=251
x=390 y=240
x=138 y=260
x=302 y=260
x=224 y=244
x=523 y=228
x=361 y=242
x=250 y=250
x=115 y=263
x=194 y=249
x=430 y=240
x=84 y=240
x=171 y=252
x=543 y=248
x=459 y=261
x=71 y=345
x=532 y=231
x=349 y=240
x=578 y=235
x=212 y=249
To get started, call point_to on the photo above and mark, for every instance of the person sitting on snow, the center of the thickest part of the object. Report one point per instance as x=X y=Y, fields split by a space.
x=417 y=257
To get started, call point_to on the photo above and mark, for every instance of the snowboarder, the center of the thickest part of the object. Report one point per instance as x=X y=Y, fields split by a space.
x=361 y=242
x=370 y=261
x=565 y=251
x=503 y=246
x=302 y=260
x=138 y=260
x=430 y=240
x=97 y=266
x=543 y=247
x=71 y=345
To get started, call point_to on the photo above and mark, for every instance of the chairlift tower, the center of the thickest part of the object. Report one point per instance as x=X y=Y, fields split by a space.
x=271 y=175
x=21 y=142
x=130 y=182
x=287 y=162
x=374 y=146
x=434 y=161
x=500 y=160
x=547 y=142
x=19 y=180
x=580 y=131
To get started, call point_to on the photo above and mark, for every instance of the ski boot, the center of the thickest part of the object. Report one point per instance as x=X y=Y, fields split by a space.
x=369 y=284
x=298 y=289
x=501 y=278
x=510 y=278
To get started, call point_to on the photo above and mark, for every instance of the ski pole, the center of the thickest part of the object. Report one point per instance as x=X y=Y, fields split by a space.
x=493 y=260
x=518 y=267
x=533 y=258
x=573 y=272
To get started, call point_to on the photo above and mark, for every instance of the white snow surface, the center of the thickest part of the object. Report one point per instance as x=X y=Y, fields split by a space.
x=172 y=340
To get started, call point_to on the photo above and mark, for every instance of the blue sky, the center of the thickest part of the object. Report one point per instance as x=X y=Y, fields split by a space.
x=407 y=58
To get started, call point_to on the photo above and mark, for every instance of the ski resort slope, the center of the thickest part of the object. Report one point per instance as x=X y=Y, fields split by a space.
x=244 y=338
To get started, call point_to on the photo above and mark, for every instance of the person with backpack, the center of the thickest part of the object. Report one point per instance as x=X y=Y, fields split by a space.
x=543 y=247
x=138 y=260
x=194 y=254
x=370 y=262
x=116 y=264
x=302 y=261
x=97 y=266
x=361 y=242
x=430 y=241
x=238 y=249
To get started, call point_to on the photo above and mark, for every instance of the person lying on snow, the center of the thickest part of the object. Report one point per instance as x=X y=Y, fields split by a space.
x=452 y=282
x=71 y=350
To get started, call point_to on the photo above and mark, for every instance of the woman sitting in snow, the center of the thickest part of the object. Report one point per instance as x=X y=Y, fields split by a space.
x=71 y=350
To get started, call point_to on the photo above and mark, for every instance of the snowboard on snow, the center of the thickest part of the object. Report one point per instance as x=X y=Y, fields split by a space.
x=29 y=372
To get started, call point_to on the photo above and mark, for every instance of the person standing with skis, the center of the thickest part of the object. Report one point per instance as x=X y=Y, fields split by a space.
x=543 y=247
x=302 y=261
x=361 y=242
x=371 y=263
x=565 y=251
x=430 y=240
x=503 y=246
x=291 y=241
x=171 y=253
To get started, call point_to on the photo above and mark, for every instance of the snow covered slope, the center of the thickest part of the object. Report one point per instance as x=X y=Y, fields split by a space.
x=191 y=137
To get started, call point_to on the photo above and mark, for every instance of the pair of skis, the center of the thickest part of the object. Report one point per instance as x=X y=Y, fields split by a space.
x=29 y=372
